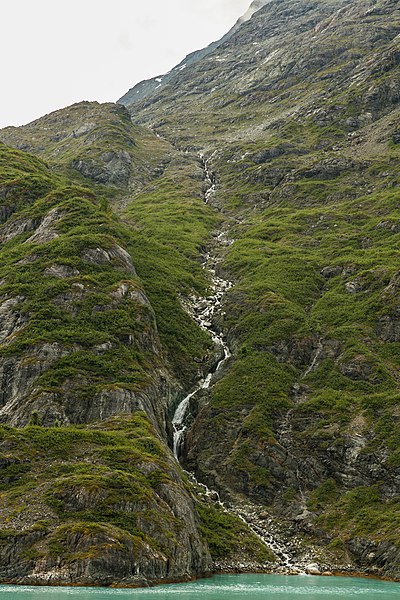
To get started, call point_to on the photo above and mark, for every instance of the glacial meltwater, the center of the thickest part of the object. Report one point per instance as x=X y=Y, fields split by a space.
x=224 y=587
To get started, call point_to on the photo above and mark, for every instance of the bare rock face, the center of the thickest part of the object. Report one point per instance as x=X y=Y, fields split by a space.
x=17 y=227
x=115 y=255
x=46 y=232
x=21 y=394
x=389 y=323
x=389 y=327
x=5 y=212
x=18 y=376
x=112 y=558
x=61 y=271
x=119 y=401
x=11 y=321
x=254 y=7
x=113 y=167
x=376 y=555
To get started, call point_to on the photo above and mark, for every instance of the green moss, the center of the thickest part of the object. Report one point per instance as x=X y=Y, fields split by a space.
x=324 y=495
x=78 y=312
x=173 y=225
x=296 y=219
x=362 y=512
x=228 y=537
x=96 y=481
x=95 y=539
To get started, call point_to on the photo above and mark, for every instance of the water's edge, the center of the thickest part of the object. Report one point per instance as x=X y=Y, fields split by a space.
x=233 y=570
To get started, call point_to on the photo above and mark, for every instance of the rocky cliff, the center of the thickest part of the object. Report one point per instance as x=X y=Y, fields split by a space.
x=74 y=317
x=270 y=161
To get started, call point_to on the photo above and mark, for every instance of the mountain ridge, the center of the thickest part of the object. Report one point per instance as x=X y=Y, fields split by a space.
x=149 y=87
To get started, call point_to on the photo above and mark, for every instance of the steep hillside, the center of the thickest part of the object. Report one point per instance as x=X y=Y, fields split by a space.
x=256 y=190
x=75 y=321
x=94 y=144
x=90 y=490
x=330 y=62
x=298 y=116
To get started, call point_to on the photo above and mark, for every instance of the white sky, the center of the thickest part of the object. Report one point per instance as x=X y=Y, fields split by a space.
x=57 y=52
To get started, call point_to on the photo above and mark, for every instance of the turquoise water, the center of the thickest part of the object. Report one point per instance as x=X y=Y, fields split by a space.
x=222 y=587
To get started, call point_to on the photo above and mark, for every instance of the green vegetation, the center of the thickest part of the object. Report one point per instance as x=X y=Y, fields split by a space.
x=103 y=477
x=63 y=295
x=312 y=318
x=81 y=142
x=173 y=224
x=229 y=538
x=165 y=228
x=315 y=265
x=362 y=512
x=76 y=289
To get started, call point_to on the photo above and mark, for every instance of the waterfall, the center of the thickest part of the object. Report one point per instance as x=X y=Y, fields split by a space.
x=203 y=310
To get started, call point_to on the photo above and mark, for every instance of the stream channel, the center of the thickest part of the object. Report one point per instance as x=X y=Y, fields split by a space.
x=204 y=310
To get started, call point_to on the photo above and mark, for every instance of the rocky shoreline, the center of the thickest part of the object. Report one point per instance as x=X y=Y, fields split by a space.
x=235 y=567
x=238 y=567
x=297 y=556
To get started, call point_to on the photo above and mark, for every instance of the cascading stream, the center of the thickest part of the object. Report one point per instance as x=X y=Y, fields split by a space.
x=203 y=310
x=209 y=177
x=181 y=412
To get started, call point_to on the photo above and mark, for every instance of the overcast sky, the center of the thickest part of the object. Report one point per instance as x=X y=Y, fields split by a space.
x=57 y=52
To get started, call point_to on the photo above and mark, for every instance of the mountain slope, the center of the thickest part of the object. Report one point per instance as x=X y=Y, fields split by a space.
x=93 y=144
x=79 y=344
x=72 y=307
x=298 y=115
x=271 y=160
x=317 y=60
x=150 y=87
x=91 y=493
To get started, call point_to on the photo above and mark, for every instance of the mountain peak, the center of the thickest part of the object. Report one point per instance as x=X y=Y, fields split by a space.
x=253 y=8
